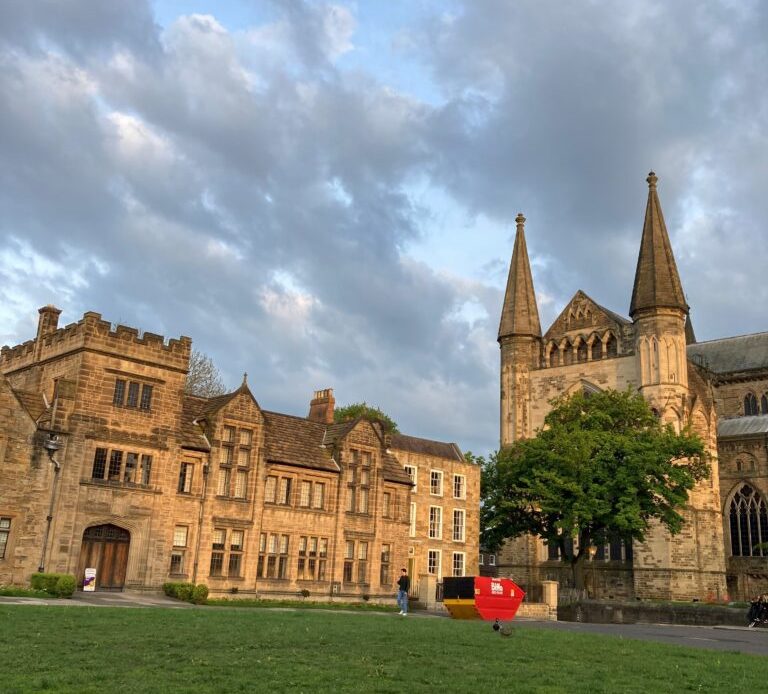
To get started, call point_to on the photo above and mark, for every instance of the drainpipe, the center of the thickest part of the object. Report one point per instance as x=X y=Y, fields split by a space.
x=51 y=445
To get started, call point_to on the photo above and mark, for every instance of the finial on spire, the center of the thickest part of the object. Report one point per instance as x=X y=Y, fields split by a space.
x=245 y=378
x=520 y=220
x=652 y=178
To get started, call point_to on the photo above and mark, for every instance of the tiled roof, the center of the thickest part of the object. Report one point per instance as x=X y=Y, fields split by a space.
x=393 y=470
x=334 y=432
x=192 y=436
x=742 y=426
x=732 y=354
x=297 y=441
x=32 y=403
x=415 y=444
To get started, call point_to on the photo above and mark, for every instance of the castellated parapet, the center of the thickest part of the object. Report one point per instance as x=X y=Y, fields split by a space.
x=91 y=333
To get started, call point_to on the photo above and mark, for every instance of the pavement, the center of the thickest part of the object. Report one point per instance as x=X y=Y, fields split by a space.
x=724 y=638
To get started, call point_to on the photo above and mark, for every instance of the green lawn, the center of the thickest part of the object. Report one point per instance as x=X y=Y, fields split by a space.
x=111 y=650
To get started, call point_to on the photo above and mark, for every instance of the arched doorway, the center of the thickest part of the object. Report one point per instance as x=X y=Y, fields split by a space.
x=105 y=548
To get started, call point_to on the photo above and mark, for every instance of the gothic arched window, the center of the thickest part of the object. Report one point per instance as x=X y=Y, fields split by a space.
x=611 y=346
x=581 y=353
x=750 y=405
x=749 y=523
x=764 y=404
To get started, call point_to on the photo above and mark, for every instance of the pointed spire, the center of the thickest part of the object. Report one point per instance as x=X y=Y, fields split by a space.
x=520 y=316
x=657 y=282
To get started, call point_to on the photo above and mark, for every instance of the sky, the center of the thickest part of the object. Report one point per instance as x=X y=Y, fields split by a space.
x=323 y=194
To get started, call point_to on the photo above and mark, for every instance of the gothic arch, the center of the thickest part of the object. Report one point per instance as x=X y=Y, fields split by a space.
x=583 y=386
x=611 y=344
x=747 y=514
x=582 y=350
x=592 y=342
x=750 y=404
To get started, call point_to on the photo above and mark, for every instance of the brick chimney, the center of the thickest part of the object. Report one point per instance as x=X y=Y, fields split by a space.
x=46 y=324
x=321 y=407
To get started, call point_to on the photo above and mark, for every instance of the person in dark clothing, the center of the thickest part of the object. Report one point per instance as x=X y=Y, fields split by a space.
x=403 y=584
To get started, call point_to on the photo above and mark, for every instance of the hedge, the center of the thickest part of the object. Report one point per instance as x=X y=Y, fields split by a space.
x=60 y=585
x=188 y=592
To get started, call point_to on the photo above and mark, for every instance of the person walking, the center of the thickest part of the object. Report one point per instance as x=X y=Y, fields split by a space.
x=403 y=584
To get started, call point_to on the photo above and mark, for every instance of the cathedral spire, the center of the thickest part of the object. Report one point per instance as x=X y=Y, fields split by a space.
x=520 y=316
x=657 y=283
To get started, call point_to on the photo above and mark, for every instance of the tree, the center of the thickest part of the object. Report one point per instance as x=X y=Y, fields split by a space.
x=366 y=411
x=601 y=468
x=203 y=378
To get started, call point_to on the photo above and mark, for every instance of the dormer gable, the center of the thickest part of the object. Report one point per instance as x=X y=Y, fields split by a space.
x=583 y=316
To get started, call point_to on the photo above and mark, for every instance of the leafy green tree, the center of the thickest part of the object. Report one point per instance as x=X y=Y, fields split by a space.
x=601 y=467
x=366 y=411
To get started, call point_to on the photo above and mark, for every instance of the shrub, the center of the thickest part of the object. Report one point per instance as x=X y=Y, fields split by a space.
x=60 y=585
x=304 y=593
x=200 y=594
x=65 y=586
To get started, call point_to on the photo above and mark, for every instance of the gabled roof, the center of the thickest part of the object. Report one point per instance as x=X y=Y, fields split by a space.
x=414 y=444
x=217 y=402
x=560 y=324
x=519 y=314
x=296 y=441
x=731 y=354
x=657 y=282
x=742 y=426
x=192 y=437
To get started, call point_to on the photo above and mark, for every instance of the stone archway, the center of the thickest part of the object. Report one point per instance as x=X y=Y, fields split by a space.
x=105 y=548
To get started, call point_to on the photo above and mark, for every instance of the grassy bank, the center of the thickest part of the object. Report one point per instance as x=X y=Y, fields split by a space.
x=83 y=650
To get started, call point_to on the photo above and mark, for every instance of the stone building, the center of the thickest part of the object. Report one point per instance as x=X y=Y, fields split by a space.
x=106 y=463
x=719 y=388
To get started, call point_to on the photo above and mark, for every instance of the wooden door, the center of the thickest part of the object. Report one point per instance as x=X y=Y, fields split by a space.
x=105 y=548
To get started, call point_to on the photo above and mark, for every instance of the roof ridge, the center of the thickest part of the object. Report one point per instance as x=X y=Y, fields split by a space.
x=732 y=337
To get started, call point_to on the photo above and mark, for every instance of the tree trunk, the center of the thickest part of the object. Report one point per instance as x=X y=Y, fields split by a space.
x=579 y=567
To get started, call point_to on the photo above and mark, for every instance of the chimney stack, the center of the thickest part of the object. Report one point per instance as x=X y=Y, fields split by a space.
x=321 y=407
x=46 y=324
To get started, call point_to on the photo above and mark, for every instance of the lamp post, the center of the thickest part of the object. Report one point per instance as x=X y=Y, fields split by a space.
x=51 y=445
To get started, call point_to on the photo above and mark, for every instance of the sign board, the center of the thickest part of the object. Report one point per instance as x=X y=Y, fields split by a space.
x=89 y=582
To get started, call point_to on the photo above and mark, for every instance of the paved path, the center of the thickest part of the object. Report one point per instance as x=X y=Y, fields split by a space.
x=741 y=639
x=104 y=599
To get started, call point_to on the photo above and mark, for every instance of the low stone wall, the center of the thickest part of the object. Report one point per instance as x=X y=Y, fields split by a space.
x=652 y=613
x=537 y=610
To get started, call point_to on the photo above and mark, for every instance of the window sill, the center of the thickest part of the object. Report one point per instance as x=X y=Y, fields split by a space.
x=117 y=484
x=236 y=499
x=178 y=575
x=227 y=578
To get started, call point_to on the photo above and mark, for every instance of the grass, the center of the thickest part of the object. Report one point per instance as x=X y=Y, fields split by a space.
x=303 y=604
x=88 y=650
x=16 y=592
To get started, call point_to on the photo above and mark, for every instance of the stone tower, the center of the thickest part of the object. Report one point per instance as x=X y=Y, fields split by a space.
x=659 y=314
x=520 y=343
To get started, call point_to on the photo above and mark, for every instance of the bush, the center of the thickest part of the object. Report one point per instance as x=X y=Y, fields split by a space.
x=200 y=594
x=304 y=593
x=65 y=586
x=188 y=592
x=60 y=585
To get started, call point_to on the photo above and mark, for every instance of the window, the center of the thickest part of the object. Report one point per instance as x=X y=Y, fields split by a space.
x=764 y=404
x=185 y=478
x=491 y=560
x=749 y=523
x=412 y=473
x=385 y=577
x=362 y=561
x=132 y=394
x=5 y=533
x=284 y=491
x=482 y=559
x=433 y=562
x=217 y=553
x=225 y=475
x=129 y=468
x=246 y=436
x=235 y=552
x=459 y=487
x=750 y=405
x=273 y=556
x=228 y=434
x=436 y=482
x=318 y=495
x=458 y=526
x=412 y=520
x=119 y=395
x=435 y=522
x=363 y=501
x=305 y=494
x=386 y=504
x=349 y=560
x=241 y=484
x=365 y=477
x=270 y=490
x=366 y=457
x=179 y=549
x=458 y=563
x=313 y=555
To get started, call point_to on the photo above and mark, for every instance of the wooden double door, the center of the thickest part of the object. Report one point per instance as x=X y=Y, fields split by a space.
x=105 y=548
